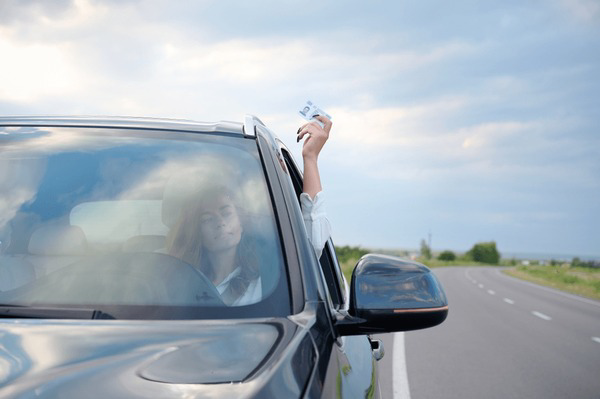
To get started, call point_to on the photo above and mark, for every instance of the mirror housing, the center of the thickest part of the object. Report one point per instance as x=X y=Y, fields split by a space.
x=390 y=294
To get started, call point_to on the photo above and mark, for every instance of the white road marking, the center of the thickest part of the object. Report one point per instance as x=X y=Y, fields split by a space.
x=400 y=375
x=480 y=285
x=509 y=301
x=541 y=315
x=491 y=292
x=596 y=339
x=471 y=279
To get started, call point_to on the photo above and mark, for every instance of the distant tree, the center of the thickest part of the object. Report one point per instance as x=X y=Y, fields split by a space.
x=447 y=256
x=485 y=252
x=425 y=250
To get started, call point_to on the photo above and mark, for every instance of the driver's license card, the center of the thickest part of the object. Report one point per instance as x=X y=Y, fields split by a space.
x=309 y=110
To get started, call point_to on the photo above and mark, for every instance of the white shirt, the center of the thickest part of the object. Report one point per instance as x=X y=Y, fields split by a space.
x=253 y=293
x=317 y=225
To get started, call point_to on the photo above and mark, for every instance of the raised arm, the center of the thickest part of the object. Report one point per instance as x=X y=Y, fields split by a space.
x=313 y=211
x=317 y=136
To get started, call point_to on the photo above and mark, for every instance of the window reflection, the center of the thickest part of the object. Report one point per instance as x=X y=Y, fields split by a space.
x=68 y=198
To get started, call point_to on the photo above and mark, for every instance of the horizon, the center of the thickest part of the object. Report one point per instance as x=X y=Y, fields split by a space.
x=503 y=254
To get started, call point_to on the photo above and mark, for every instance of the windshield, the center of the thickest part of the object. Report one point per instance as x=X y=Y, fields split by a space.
x=138 y=224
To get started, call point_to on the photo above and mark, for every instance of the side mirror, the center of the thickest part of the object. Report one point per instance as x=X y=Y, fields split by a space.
x=391 y=294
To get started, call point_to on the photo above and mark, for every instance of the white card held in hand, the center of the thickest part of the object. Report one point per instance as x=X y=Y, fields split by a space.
x=309 y=111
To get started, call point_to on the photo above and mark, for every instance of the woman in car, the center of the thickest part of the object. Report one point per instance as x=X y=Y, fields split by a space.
x=215 y=241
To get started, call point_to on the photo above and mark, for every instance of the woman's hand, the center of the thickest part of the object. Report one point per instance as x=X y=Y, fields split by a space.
x=317 y=136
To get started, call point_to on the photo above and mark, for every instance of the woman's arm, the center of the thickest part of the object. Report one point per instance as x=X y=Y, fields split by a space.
x=317 y=136
x=311 y=200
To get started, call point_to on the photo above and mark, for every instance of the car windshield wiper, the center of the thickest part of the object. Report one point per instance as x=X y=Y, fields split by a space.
x=35 y=312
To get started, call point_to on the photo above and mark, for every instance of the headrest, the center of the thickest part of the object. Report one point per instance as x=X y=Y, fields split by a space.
x=58 y=240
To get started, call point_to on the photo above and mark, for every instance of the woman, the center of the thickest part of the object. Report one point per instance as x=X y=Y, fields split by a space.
x=209 y=235
x=217 y=245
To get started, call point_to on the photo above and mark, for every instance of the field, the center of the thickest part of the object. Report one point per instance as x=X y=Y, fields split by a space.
x=582 y=281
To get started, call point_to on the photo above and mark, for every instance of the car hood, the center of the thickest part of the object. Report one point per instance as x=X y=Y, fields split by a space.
x=152 y=359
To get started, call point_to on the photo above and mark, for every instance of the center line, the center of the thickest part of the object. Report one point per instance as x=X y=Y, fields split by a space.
x=480 y=285
x=596 y=339
x=541 y=315
x=491 y=292
x=509 y=301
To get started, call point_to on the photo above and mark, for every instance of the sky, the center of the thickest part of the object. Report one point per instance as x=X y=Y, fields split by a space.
x=455 y=122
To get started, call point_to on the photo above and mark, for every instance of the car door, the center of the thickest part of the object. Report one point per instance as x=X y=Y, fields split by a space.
x=351 y=368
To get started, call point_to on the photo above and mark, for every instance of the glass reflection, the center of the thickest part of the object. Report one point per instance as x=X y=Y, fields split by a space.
x=390 y=283
x=72 y=197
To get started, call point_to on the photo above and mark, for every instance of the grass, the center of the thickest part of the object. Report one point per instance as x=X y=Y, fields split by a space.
x=347 y=268
x=347 y=257
x=583 y=281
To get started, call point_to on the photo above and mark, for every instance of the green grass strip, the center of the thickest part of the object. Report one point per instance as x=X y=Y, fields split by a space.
x=576 y=280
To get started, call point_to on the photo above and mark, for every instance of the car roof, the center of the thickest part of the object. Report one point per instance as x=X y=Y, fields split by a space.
x=128 y=122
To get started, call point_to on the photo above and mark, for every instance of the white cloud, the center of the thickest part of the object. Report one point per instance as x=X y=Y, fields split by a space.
x=135 y=66
x=485 y=136
x=19 y=180
x=32 y=72
x=236 y=61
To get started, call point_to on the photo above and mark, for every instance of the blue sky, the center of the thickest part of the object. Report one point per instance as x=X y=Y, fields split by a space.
x=470 y=120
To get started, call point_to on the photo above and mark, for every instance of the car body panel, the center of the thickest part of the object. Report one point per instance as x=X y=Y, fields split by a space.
x=120 y=359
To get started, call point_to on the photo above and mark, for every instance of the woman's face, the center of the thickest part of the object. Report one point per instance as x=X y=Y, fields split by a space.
x=220 y=227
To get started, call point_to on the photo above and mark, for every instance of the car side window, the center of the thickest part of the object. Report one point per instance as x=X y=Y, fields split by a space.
x=328 y=261
x=329 y=265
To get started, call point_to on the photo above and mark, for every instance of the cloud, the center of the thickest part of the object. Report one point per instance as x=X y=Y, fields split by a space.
x=18 y=11
x=65 y=54
x=19 y=180
x=35 y=71
x=587 y=11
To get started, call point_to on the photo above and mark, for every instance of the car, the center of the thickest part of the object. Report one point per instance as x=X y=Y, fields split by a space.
x=95 y=303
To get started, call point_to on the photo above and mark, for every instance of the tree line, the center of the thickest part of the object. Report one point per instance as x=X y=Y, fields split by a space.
x=484 y=252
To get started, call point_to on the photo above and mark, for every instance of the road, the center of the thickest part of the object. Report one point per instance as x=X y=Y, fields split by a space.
x=503 y=338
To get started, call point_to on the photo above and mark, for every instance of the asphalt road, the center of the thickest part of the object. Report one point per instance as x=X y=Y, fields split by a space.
x=503 y=338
